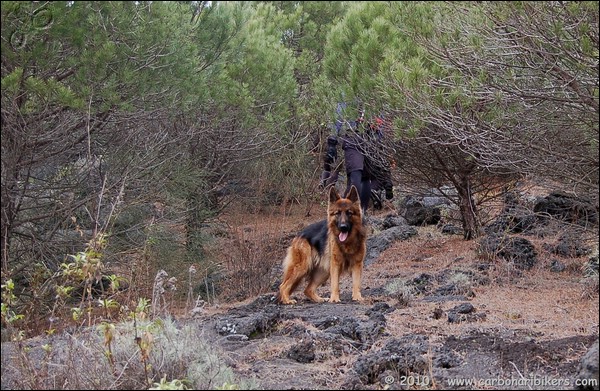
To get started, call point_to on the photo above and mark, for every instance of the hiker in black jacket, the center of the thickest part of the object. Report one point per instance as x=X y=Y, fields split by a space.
x=356 y=169
x=331 y=163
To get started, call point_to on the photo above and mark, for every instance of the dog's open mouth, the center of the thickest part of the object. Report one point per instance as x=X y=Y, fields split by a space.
x=343 y=236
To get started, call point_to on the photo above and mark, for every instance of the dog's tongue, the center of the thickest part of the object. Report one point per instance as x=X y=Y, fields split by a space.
x=343 y=236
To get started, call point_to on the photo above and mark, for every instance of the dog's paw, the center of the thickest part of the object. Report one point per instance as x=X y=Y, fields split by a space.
x=357 y=297
x=288 y=302
x=317 y=299
x=334 y=299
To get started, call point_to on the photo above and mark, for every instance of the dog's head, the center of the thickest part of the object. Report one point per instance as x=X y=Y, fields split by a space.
x=344 y=214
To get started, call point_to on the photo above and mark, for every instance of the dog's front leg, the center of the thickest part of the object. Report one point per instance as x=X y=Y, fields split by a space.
x=335 y=280
x=356 y=279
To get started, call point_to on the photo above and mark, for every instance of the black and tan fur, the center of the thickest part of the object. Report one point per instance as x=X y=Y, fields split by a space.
x=327 y=249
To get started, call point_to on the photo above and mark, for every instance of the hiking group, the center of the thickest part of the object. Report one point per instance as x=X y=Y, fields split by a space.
x=366 y=163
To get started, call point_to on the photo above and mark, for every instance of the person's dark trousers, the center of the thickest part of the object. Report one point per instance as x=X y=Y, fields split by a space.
x=363 y=185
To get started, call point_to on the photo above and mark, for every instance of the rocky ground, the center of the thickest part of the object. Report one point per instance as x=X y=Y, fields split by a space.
x=435 y=336
x=437 y=315
x=354 y=346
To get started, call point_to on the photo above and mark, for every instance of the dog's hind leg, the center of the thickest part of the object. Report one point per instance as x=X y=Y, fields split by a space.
x=286 y=289
x=291 y=278
x=295 y=267
x=317 y=278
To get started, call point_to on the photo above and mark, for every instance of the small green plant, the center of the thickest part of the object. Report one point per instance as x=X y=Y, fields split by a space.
x=76 y=313
x=63 y=292
x=590 y=268
x=108 y=331
x=145 y=341
x=228 y=386
x=141 y=310
x=114 y=282
x=174 y=384
x=108 y=305
x=403 y=292
x=9 y=317
x=591 y=285
x=80 y=275
x=462 y=283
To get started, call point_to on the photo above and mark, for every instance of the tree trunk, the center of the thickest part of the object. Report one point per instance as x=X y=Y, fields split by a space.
x=468 y=210
x=202 y=204
x=194 y=220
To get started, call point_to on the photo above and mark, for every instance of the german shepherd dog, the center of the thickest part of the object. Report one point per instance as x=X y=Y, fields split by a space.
x=327 y=248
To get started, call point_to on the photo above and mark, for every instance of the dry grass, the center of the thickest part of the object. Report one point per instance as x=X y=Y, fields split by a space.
x=256 y=246
x=85 y=360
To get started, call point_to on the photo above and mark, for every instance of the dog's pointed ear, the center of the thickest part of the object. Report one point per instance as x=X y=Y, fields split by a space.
x=333 y=195
x=353 y=196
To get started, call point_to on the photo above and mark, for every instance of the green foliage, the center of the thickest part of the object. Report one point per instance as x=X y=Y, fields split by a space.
x=142 y=309
x=8 y=300
x=374 y=45
x=12 y=81
x=260 y=69
x=174 y=384
x=73 y=40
